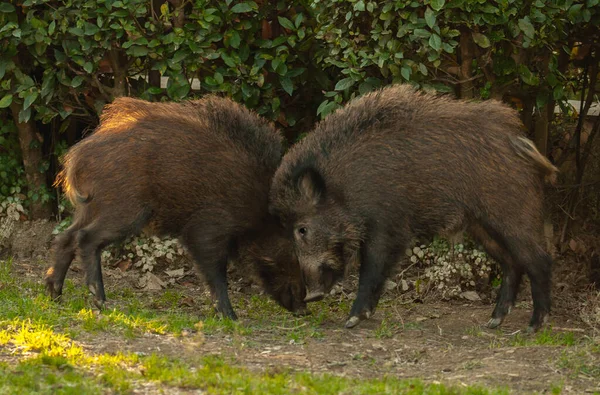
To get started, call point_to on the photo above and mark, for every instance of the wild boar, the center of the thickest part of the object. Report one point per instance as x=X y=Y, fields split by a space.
x=198 y=170
x=396 y=164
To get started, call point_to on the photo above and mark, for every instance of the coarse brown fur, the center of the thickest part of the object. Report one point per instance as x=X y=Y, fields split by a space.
x=198 y=170
x=396 y=164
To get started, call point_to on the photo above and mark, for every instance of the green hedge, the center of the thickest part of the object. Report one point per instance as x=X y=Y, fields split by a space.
x=292 y=61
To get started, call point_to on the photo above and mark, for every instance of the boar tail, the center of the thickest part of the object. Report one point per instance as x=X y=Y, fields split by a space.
x=66 y=179
x=526 y=149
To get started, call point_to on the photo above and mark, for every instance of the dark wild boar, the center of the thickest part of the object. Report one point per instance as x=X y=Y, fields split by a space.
x=397 y=164
x=198 y=170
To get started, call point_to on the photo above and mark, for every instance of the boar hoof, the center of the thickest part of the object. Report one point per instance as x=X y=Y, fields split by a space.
x=100 y=304
x=54 y=291
x=534 y=327
x=227 y=315
x=352 y=322
x=494 y=323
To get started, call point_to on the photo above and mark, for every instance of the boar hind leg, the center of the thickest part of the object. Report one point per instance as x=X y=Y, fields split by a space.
x=511 y=273
x=91 y=242
x=526 y=256
x=92 y=239
x=64 y=253
x=538 y=266
x=377 y=257
x=210 y=249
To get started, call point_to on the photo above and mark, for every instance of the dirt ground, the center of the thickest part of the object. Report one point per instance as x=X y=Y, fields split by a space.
x=436 y=341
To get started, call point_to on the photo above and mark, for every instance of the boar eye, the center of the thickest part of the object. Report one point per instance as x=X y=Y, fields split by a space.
x=302 y=230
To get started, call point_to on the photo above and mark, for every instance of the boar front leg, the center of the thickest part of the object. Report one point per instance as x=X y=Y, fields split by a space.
x=209 y=246
x=378 y=256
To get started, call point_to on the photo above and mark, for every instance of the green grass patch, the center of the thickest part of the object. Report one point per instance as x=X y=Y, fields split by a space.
x=51 y=362
x=43 y=349
x=545 y=337
x=582 y=360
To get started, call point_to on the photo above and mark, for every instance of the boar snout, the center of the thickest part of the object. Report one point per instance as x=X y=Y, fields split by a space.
x=314 y=296
x=315 y=289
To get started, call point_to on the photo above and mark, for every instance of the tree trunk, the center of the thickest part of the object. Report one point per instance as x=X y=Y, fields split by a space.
x=542 y=124
x=154 y=75
x=31 y=149
x=466 y=65
x=527 y=113
x=178 y=14
x=119 y=73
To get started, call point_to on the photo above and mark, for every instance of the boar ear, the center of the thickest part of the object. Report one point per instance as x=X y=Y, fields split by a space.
x=311 y=185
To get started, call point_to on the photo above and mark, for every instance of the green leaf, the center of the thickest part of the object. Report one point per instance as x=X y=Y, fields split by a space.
x=24 y=115
x=287 y=85
x=587 y=15
x=3 y=67
x=51 y=28
x=481 y=40
x=178 y=86
x=526 y=27
x=91 y=29
x=365 y=87
x=326 y=107
x=275 y=64
x=574 y=10
x=77 y=81
x=29 y=99
x=76 y=31
x=422 y=33
x=234 y=39
x=48 y=84
x=7 y=8
x=6 y=101
x=527 y=76
x=88 y=67
x=592 y=3
x=243 y=7
x=137 y=51
x=218 y=78
x=406 y=72
x=298 y=20
x=558 y=92
x=437 y=4
x=229 y=60
x=430 y=17
x=551 y=79
x=286 y=23
x=295 y=72
x=359 y=6
x=435 y=42
x=344 y=84
x=244 y=52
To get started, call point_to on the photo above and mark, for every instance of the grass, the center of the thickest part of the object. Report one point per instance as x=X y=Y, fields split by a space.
x=47 y=347
x=582 y=360
x=545 y=337
x=51 y=362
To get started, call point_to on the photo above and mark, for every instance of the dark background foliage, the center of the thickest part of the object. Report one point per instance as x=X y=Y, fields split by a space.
x=293 y=62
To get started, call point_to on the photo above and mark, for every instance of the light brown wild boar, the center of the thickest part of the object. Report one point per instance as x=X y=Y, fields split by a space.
x=198 y=170
x=397 y=164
